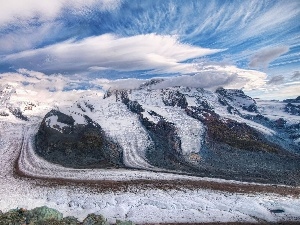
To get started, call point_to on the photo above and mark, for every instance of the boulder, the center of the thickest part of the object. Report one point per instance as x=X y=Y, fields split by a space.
x=41 y=214
x=93 y=219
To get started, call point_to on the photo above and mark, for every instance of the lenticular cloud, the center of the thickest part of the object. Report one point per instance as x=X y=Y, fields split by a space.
x=141 y=52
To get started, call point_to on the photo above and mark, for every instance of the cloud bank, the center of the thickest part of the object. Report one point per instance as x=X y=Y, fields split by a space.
x=208 y=77
x=36 y=81
x=38 y=85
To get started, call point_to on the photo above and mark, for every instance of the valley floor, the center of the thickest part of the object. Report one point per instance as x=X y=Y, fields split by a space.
x=136 y=195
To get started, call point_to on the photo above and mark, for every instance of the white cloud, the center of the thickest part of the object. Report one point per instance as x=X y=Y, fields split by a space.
x=219 y=76
x=36 y=86
x=141 y=52
x=33 y=80
x=16 y=11
x=130 y=83
x=264 y=56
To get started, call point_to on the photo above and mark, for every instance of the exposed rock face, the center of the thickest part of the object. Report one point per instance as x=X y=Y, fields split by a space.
x=292 y=109
x=3 y=113
x=93 y=219
x=238 y=150
x=17 y=113
x=237 y=98
x=294 y=132
x=237 y=135
x=280 y=123
x=232 y=133
x=133 y=106
x=174 y=98
x=150 y=83
x=60 y=140
x=166 y=151
x=296 y=100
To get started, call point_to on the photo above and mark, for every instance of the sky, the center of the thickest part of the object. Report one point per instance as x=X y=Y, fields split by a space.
x=62 y=45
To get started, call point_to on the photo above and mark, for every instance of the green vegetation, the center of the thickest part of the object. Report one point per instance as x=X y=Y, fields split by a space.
x=47 y=216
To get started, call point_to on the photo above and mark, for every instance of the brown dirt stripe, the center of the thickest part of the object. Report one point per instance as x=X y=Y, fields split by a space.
x=107 y=185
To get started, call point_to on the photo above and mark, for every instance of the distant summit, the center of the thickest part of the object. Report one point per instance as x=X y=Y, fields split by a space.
x=291 y=100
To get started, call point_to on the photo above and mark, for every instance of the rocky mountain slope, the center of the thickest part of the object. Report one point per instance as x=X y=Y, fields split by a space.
x=224 y=134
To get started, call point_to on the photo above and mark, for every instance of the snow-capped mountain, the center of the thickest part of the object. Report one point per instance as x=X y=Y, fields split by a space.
x=224 y=134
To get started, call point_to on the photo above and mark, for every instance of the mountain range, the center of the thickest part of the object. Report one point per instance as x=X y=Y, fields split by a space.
x=181 y=130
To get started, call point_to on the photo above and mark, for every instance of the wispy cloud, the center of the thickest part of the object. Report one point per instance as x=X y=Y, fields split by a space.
x=141 y=52
x=272 y=18
x=263 y=57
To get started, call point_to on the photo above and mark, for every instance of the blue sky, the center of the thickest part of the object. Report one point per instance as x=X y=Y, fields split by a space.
x=254 y=45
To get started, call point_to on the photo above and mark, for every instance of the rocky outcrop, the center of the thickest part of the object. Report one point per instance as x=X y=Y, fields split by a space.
x=39 y=215
x=48 y=216
x=166 y=150
x=292 y=109
x=237 y=98
x=174 y=98
x=234 y=149
x=3 y=113
x=150 y=83
x=59 y=140
x=17 y=113
x=93 y=219
x=226 y=131
x=133 y=106
x=291 y=100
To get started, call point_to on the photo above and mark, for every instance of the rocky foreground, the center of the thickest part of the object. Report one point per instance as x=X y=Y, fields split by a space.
x=47 y=216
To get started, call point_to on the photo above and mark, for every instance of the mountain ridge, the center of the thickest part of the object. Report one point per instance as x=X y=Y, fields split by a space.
x=224 y=134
